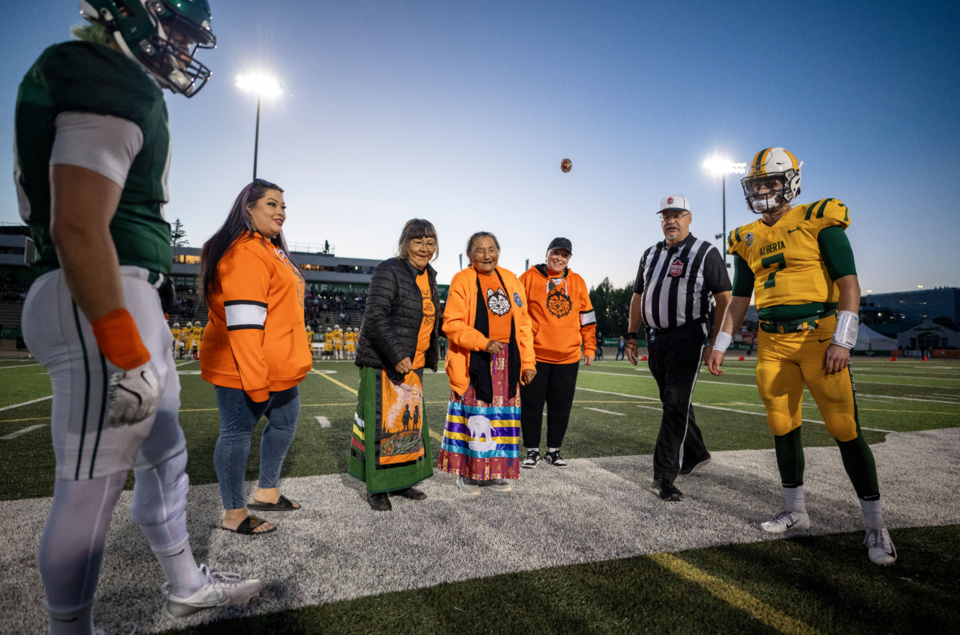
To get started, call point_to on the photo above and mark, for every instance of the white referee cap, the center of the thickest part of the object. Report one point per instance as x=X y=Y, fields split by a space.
x=676 y=202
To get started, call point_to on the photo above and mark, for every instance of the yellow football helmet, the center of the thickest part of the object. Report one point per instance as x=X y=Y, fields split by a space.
x=772 y=180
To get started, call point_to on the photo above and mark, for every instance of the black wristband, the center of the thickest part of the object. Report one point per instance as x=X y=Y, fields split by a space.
x=632 y=336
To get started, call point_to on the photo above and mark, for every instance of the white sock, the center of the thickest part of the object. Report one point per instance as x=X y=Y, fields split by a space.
x=180 y=569
x=78 y=621
x=552 y=449
x=872 y=514
x=793 y=499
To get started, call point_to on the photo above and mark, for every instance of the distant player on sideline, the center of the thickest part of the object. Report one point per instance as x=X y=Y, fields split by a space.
x=92 y=154
x=800 y=264
x=176 y=333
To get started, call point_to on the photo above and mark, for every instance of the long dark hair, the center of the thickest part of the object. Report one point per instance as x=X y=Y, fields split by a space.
x=237 y=223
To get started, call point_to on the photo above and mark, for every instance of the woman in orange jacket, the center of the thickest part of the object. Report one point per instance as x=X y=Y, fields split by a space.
x=563 y=323
x=254 y=349
x=491 y=348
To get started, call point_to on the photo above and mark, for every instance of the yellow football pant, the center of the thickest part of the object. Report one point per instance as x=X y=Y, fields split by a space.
x=786 y=362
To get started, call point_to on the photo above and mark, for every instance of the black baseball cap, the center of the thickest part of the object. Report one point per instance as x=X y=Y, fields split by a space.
x=561 y=243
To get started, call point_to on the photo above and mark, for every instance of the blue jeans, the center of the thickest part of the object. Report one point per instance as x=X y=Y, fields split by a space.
x=238 y=417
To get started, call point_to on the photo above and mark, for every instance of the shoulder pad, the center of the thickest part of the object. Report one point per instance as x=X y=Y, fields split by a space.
x=828 y=212
x=88 y=77
x=735 y=239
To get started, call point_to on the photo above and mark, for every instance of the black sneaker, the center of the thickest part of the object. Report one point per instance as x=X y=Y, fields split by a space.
x=690 y=468
x=533 y=458
x=665 y=490
x=554 y=459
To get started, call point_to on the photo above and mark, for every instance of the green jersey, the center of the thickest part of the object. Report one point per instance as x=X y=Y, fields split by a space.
x=91 y=78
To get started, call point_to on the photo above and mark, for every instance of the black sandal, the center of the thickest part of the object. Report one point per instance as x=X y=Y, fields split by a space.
x=284 y=504
x=247 y=526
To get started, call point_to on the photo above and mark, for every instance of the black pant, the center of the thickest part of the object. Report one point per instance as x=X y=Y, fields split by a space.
x=675 y=358
x=553 y=385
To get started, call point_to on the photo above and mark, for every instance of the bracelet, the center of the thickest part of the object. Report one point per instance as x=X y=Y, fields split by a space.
x=722 y=342
x=632 y=335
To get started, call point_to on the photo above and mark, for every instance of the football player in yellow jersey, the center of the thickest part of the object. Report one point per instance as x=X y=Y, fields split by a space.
x=328 y=343
x=310 y=340
x=337 y=342
x=177 y=333
x=799 y=263
x=197 y=336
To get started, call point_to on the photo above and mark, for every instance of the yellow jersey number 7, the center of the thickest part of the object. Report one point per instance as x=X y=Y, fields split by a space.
x=770 y=261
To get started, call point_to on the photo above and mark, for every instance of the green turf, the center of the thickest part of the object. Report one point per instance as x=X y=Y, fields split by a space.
x=824 y=582
x=29 y=465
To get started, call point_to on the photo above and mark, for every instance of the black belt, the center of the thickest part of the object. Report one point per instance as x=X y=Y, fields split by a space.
x=671 y=329
x=789 y=326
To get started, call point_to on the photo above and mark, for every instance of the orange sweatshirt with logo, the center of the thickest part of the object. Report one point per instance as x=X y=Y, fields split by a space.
x=256 y=337
x=562 y=315
x=459 y=316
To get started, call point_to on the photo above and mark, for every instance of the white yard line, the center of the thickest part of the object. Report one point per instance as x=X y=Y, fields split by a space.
x=700 y=405
x=606 y=412
x=25 y=403
x=20 y=366
x=14 y=435
x=905 y=399
x=323 y=421
x=192 y=361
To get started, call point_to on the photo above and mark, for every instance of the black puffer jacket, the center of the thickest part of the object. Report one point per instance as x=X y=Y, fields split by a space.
x=391 y=321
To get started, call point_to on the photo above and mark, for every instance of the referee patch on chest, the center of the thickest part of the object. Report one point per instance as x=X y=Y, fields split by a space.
x=677 y=266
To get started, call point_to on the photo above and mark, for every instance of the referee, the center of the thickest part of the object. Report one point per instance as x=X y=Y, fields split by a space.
x=672 y=298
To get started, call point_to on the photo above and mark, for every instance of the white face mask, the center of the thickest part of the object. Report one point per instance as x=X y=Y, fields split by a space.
x=766 y=203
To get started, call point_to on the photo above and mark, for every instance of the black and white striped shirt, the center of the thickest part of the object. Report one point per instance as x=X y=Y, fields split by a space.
x=676 y=282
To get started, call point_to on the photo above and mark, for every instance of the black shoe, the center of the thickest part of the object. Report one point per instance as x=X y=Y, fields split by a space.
x=379 y=502
x=665 y=490
x=411 y=493
x=554 y=459
x=690 y=468
x=533 y=457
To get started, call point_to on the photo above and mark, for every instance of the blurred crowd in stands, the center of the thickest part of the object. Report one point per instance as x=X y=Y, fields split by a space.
x=323 y=309
x=12 y=291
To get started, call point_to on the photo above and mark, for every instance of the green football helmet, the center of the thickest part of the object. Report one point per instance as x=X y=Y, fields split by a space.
x=161 y=35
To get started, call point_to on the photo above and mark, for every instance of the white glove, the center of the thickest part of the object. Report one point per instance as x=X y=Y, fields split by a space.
x=134 y=394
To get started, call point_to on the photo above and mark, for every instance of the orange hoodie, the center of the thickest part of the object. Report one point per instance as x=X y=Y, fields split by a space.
x=562 y=315
x=459 y=315
x=256 y=337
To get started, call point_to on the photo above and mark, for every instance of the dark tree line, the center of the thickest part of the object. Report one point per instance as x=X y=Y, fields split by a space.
x=612 y=307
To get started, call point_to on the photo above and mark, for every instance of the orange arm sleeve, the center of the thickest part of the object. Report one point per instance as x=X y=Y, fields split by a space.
x=588 y=332
x=528 y=358
x=245 y=280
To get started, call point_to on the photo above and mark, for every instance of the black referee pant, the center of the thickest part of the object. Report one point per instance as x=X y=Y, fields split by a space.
x=675 y=358
x=554 y=385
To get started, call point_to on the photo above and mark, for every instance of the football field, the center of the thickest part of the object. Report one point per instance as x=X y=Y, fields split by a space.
x=586 y=549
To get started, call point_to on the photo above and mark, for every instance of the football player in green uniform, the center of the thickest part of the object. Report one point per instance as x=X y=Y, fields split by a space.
x=92 y=153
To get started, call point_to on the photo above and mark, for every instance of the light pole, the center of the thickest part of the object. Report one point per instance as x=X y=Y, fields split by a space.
x=263 y=86
x=723 y=167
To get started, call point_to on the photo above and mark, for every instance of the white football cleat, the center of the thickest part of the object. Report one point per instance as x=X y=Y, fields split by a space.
x=880 y=546
x=221 y=589
x=785 y=521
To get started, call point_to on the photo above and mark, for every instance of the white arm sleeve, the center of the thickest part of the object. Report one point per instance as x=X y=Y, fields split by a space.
x=104 y=144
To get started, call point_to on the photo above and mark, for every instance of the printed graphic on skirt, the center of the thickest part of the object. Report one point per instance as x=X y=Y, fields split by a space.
x=399 y=438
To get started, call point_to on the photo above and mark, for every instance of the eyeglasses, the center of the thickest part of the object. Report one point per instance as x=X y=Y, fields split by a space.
x=667 y=216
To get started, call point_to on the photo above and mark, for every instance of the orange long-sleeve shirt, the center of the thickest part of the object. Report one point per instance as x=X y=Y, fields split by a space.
x=562 y=315
x=460 y=314
x=256 y=337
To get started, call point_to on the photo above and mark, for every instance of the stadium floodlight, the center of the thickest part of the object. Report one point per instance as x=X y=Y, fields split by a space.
x=263 y=86
x=723 y=167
